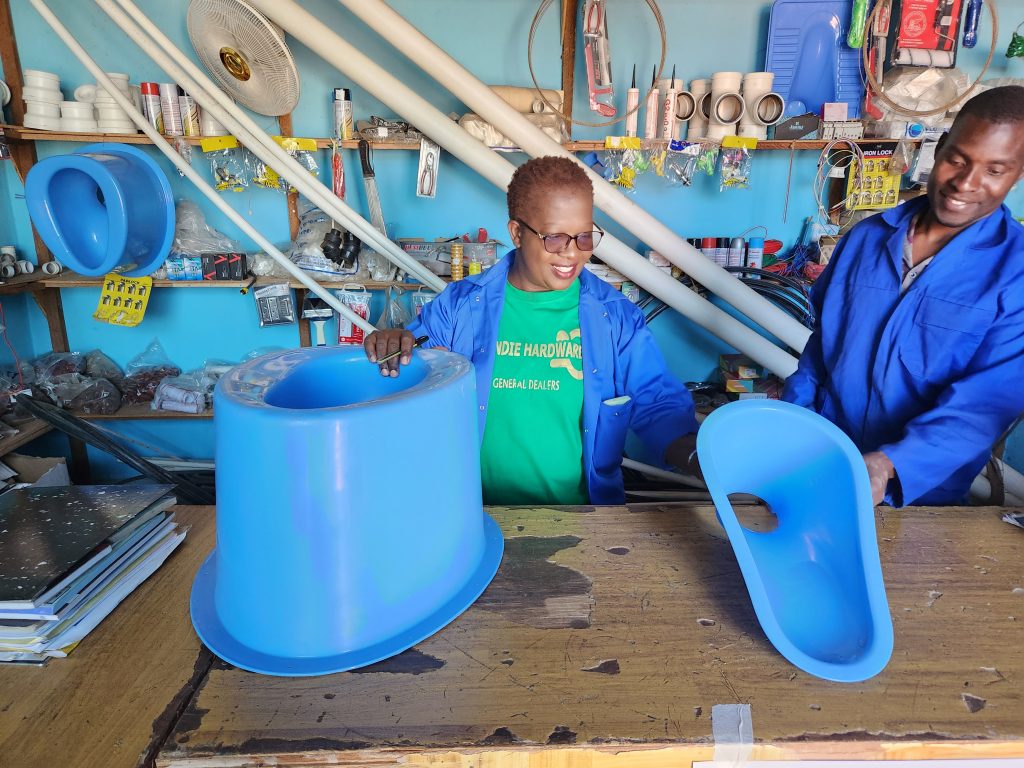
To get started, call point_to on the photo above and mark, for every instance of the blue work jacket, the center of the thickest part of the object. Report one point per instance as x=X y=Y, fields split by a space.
x=620 y=357
x=933 y=377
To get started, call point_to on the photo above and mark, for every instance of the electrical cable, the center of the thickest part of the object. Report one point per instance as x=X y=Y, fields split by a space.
x=876 y=87
x=541 y=10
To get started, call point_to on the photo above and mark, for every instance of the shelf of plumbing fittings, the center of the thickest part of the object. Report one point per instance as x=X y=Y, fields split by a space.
x=769 y=144
x=143 y=411
x=18 y=132
x=73 y=280
x=23 y=282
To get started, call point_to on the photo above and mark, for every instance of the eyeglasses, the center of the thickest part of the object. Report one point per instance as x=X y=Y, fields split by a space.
x=559 y=241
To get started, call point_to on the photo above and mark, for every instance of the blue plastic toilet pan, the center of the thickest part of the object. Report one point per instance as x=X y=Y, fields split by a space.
x=816 y=580
x=101 y=207
x=349 y=517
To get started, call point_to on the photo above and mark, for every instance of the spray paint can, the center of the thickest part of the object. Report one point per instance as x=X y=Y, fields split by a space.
x=708 y=246
x=342 y=114
x=170 y=110
x=189 y=114
x=458 y=271
x=722 y=252
x=755 y=253
x=151 y=105
x=737 y=250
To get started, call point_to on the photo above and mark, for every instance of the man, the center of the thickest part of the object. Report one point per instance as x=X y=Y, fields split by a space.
x=565 y=365
x=918 y=352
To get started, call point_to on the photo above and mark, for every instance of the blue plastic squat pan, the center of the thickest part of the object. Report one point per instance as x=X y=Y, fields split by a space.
x=808 y=53
x=349 y=517
x=101 y=207
x=816 y=580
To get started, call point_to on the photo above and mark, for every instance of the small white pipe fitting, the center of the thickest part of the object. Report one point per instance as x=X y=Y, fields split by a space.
x=51 y=267
x=26 y=267
x=699 y=120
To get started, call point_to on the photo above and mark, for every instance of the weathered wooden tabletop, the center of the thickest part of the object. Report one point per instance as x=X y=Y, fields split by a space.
x=606 y=639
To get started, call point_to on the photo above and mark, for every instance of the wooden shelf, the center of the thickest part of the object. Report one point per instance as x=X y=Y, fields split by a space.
x=20 y=283
x=18 y=133
x=73 y=280
x=27 y=432
x=143 y=411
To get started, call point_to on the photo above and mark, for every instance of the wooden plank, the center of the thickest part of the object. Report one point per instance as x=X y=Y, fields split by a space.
x=143 y=411
x=119 y=691
x=590 y=636
x=27 y=432
x=570 y=14
x=72 y=280
x=53 y=310
x=11 y=62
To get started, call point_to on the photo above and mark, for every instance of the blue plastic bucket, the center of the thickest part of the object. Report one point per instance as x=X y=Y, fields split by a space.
x=101 y=207
x=349 y=517
x=816 y=580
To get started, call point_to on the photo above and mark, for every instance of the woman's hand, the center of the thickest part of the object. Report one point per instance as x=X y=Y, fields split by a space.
x=380 y=344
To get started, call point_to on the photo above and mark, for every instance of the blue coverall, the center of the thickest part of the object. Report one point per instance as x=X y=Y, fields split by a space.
x=931 y=378
x=620 y=357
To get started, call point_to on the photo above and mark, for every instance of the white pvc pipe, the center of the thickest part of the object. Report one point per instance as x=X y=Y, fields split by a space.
x=186 y=169
x=496 y=169
x=1013 y=481
x=699 y=121
x=453 y=76
x=213 y=100
x=981 y=490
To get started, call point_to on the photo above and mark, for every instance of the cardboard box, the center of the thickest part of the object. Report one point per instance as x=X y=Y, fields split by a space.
x=181 y=267
x=803 y=126
x=238 y=266
x=741 y=367
x=209 y=261
x=39 y=472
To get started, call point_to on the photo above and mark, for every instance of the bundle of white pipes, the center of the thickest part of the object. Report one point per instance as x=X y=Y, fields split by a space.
x=186 y=169
x=482 y=100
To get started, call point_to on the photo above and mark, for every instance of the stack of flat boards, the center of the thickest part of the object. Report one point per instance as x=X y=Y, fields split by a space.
x=69 y=555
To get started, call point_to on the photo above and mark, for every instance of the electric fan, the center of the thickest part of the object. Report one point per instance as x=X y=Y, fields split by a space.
x=247 y=54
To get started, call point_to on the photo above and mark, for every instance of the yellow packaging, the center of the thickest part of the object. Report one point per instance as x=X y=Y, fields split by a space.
x=123 y=300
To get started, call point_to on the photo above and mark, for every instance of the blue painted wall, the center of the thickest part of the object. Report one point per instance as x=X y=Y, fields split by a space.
x=488 y=38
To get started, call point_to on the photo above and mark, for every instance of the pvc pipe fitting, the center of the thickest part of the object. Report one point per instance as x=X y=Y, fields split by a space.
x=699 y=119
x=26 y=267
x=726 y=81
x=727 y=108
x=51 y=267
x=8 y=270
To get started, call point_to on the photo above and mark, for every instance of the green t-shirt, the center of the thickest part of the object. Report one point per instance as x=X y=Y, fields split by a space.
x=533 y=451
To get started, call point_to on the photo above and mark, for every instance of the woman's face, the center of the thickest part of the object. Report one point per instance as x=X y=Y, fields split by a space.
x=550 y=212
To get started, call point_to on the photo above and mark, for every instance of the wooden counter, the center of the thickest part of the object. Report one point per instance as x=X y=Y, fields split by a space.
x=586 y=650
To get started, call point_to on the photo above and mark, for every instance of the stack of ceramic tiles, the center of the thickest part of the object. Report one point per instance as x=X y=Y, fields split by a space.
x=69 y=555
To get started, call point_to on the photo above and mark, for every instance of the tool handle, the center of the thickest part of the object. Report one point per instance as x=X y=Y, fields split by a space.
x=971 y=18
x=858 y=19
x=364 y=159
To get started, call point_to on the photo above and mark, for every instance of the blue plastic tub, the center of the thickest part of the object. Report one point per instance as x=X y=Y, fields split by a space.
x=101 y=207
x=349 y=517
x=816 y=580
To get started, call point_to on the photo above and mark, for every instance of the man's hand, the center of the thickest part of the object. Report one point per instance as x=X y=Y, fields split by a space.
x=682 y=453
x=880 y=472
x=381 y=343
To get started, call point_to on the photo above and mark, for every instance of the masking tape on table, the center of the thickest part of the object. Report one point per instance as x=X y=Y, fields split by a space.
x=732 y=728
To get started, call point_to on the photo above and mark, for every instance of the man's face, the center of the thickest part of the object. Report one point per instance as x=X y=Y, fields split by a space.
x=975 y=167
x=570 y=212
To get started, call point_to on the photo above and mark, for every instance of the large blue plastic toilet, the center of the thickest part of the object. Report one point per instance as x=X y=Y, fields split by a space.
x=816 y=580
x=101 y=207
x=349 y=517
